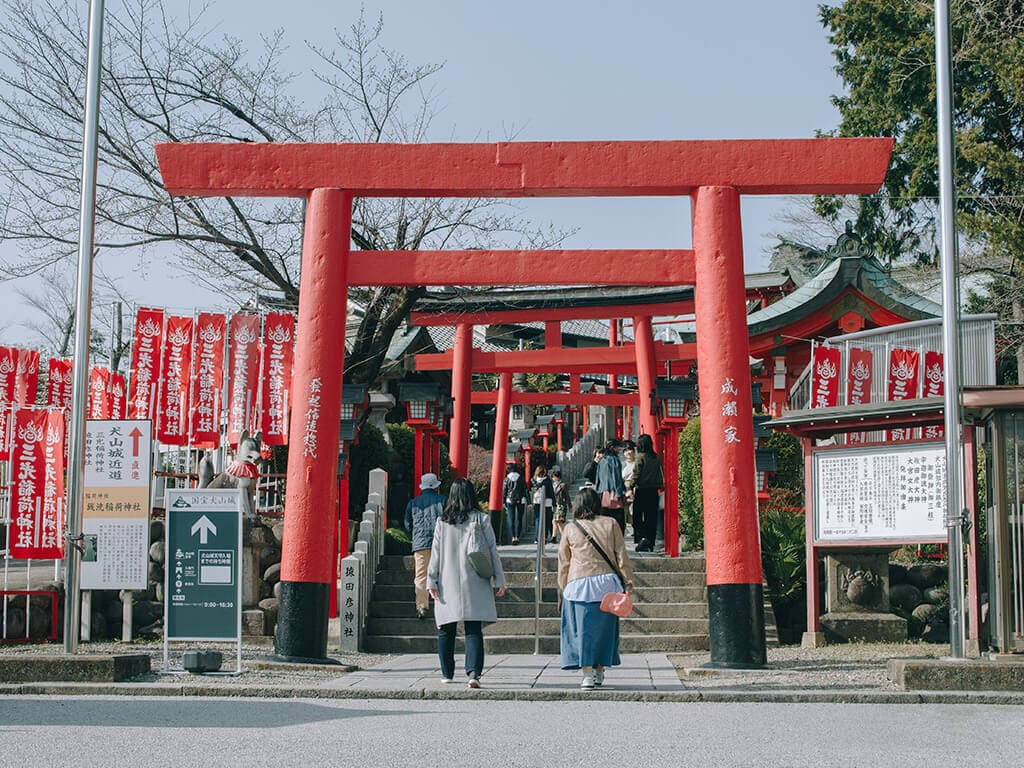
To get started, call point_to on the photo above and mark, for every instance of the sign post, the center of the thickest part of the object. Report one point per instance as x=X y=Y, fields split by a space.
x=202 y=581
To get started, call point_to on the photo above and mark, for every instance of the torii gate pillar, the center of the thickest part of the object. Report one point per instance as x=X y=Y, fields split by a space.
x=731 y=538
x=462 y=384
x=646 y=372
x=307 y=553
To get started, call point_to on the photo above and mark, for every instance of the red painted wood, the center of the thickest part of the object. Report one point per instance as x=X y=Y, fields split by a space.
x=311 y=499
x=608 y=312
x=528 y=169
x=501 y=421
x=973 y=539
x=813 y=585
x=462 y=380
x=731 y=535
x=564 y=360
x=556 y=267
x=552 y=334
x=646 y=372
x=670 y=465
x=418 y=453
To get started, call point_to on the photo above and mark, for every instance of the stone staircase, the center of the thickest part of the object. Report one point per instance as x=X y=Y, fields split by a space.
x=670 y=607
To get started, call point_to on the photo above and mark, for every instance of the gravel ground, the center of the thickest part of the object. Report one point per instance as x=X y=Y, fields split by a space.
x=853 y=666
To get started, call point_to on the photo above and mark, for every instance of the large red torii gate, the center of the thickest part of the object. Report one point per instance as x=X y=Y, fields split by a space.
x=713 y=173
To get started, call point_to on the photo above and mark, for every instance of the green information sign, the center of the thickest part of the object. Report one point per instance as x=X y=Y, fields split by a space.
x=203 y=586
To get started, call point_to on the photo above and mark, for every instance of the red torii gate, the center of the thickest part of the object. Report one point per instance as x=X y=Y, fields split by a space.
x=713 y=173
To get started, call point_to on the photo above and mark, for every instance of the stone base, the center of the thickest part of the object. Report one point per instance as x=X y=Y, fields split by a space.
x=73 y=669
x=253 y=623
x=813 y=640
x=864 y=627
x=957 y=674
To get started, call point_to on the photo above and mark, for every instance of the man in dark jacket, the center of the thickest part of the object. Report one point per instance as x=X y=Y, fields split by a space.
x=421 y=514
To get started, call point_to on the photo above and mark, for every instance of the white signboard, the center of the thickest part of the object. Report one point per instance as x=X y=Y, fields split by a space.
x=115 y=520
x=893 y=492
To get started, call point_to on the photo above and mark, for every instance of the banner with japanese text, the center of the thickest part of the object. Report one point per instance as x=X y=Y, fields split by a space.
x=146 y=348
x=26 y=382
x=172 y=418
x=858 y=385
x=118 y=401
x=243 y=373
x=934 y=385
x=211 y=333
x=825 y=364
x=8 y=374
x=278 y=361
x=59 y=384
x=904 y=367
x=37 y=485
x=99 y=393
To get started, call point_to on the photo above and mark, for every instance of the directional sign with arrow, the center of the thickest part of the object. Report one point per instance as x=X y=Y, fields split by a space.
x=204 y=527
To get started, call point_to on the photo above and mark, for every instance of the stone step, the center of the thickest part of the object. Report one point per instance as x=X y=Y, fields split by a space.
x=547 y=627
x=687 y=562
x=397 y=593
x=525 y=644
x=525 y=578
x=524 y=610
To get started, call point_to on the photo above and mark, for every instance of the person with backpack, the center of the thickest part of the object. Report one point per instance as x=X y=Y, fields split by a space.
x=646 y=480
x=421 y=513
x=543 y=495
x=460 y=593
x=514 y=492
x=561 y=504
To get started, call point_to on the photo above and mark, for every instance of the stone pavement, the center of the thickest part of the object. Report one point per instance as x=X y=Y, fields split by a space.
x=641 y=672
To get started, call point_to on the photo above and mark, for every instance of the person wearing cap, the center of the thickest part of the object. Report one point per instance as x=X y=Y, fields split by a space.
x=421 y=514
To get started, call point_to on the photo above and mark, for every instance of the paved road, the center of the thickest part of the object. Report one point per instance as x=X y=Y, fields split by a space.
x=222 y=733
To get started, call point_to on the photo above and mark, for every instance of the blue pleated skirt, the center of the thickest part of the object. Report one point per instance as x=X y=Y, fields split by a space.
x=590 y=636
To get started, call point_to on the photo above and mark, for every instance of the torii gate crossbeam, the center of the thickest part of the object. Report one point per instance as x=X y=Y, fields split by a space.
x=713 y=173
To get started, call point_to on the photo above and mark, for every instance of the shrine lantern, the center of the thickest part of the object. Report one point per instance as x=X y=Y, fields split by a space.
x=354 y=399
x=558 y=419
x=543 y=427
x=418 y=399
x=672 y=400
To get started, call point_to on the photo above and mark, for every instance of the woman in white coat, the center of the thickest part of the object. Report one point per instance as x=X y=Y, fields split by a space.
x=459 y=593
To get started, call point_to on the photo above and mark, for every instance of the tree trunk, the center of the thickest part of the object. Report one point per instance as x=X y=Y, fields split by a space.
x=1018 y=319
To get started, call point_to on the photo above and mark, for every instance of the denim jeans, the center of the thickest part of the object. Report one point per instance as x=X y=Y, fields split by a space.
x=474 y=648
x=515 y=520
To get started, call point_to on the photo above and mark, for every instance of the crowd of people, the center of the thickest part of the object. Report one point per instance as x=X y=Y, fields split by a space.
x=592 y=559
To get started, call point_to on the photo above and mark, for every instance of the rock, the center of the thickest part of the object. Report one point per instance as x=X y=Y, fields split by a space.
x=269 y=608
x=905 y=596
x=277 y=590
x=273 y=574
x=269 y=556
x=278 y=529
x=935 y=595
x=15 y=622
x=147 y=612
x=266 y=590
x=926 y=575
x=254 y=623
x=16 y=601
x=897 y=574
x=937 y=631
x=924 y=612
x=156 y=572
x=156 y=531
x=156 y=552
x=261 y=536
x=158 y=590
x=113 y=612
x=98 y=629
x=39 y=623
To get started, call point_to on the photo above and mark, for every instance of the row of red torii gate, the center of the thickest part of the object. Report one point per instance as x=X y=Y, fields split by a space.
x=713 y=174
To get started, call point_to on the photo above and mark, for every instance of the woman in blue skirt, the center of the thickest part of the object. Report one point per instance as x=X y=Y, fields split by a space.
x=590 y=637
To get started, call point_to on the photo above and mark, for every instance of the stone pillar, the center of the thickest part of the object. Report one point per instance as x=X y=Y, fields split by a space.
x=462 y=379
x=731 y=536
x=310 y=505
x=348 y=604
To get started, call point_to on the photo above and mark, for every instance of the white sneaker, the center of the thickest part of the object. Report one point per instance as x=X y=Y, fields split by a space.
x=447 y=680
x=588 y=683
x=598 y=677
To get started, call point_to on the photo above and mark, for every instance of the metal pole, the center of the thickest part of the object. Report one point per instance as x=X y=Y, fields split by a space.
x=950 y=329
x=83 y=307
x=537 y=590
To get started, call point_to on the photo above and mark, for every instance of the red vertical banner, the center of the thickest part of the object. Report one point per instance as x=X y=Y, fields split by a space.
x=8 y=374
x=37 y=484
x=118 y=401
x=858 y=385
x=58 y=383
x=26 y=382
x=934 y=385
x=243 y=374
x=278 y=362
x=211 y=331
x=146 y=348
x=99 y=393
x=172 y=415
x=904 y=365
x=825 y=377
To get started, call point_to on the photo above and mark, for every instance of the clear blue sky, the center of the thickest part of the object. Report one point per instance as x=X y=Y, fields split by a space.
x=564 y=70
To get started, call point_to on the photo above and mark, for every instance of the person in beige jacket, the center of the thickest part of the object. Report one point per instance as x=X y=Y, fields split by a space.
x=589 y=636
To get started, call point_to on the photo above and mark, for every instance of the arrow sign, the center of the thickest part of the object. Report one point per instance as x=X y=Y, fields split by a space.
x=205 y=527
x=135 y=435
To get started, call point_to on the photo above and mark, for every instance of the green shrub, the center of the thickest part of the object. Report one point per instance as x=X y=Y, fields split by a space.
x=397 y=542
x=691 y=491
x=784 y=563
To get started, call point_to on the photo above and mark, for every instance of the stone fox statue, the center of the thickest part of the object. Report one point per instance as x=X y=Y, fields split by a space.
x=242 y=472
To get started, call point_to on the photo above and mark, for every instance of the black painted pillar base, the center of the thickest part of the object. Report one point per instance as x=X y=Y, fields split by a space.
x=302 y=613
x=736 y=623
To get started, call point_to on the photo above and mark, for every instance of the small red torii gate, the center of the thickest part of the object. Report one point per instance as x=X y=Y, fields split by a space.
x=713 y=173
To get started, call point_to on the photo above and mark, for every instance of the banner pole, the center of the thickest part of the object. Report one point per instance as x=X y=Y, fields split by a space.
x=83 y=307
